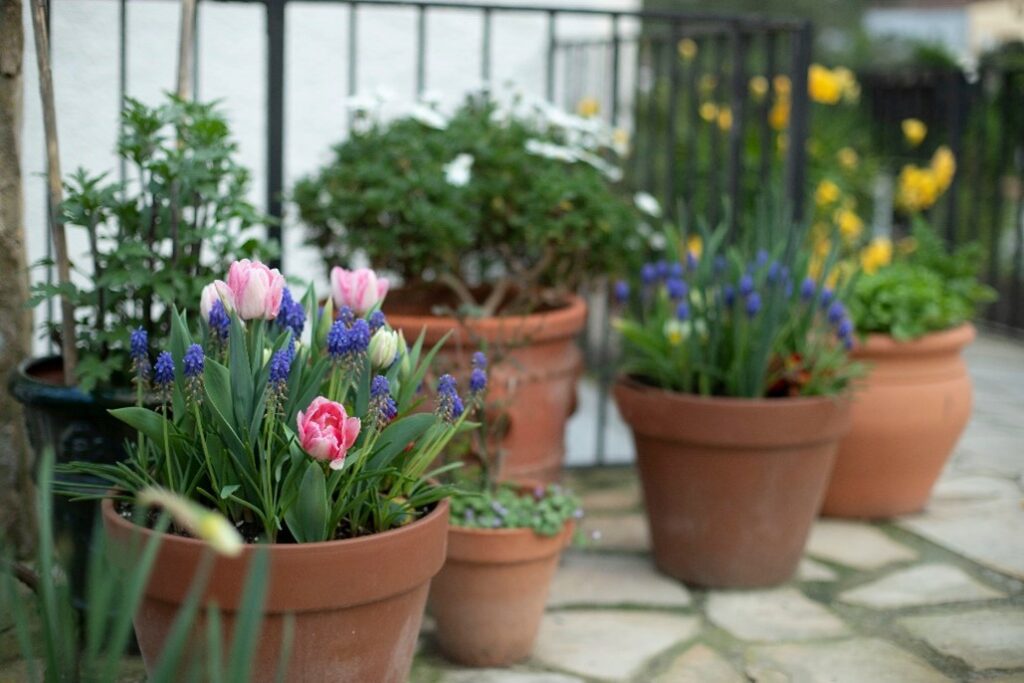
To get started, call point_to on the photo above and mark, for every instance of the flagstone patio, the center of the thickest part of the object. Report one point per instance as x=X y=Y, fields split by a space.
x=937 y=596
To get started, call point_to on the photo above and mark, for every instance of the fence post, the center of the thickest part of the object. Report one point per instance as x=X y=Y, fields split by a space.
x=799 y=122
x=275 y=120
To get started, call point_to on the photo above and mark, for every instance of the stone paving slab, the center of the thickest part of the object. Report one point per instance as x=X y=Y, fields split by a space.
x=981 y=518
x=926 y=584
x=984 y=638
x=772 y=615
x=614 y=580
x=700 y=664
x=627 y=533
x=855 y=544
x=809 y=570
x=859 y=660
x=609 y=645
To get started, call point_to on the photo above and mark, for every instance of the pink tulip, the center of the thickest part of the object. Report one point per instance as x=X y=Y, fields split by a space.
x=358 y=289
x=326 y=431
x=216 y=290
x=255 y=289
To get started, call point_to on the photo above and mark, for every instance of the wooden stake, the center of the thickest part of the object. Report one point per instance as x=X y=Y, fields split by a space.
x=186 y=37
x=56 y=194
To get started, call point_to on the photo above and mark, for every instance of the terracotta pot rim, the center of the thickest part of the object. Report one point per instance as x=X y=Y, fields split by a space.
x=732 y=402
x=564 y=321
x=283 y=549
x=951 y=340
x=505 y=532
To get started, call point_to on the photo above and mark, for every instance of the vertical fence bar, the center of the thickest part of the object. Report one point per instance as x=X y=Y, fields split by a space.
x=764 y=112
x=421 y=50
x=50 y=218
x=549 y=64
x=800 y=114
x=738 y=109
x=275 y=119
x=716 y=59
x=672 y=133
x=353 y=50
x=122 y=81
x=195 y=51
x=616 y=58
x=691 y=157
x=954 y=118
x=998 y=221
x=485 y=48
x=653 y=148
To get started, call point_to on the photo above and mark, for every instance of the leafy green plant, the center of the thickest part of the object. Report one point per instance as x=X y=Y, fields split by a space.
x=59 y=644
x=291 y=440
x=502 y=204
x=180 y=217
x=748 y=320
x=929 y=289
x=544 y=509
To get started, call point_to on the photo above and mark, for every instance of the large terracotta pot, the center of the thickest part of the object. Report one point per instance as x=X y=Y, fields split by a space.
x=489 y=598
x=908 y=414
x=357 y=603
x=731 y=486
x=534 y=383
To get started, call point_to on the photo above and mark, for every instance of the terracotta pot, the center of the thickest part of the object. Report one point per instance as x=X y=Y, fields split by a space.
x=535 y=382
x=908 y=414
x=489 y=598
x=731 y=486
x=357 y=603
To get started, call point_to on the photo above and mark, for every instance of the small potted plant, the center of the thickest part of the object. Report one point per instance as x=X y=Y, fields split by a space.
x=912 y=313
x=490 y=219
x=308 y=443
x=504 y=544
x=181 y=217
x=735 y=382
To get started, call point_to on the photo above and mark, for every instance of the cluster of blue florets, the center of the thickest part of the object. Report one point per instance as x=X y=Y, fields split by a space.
x=347 y=342
x=291 y=315
x=449 y=403
x=139 y=351
x=383 y=408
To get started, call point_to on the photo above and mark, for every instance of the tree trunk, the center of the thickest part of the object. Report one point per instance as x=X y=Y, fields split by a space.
x=15 y=319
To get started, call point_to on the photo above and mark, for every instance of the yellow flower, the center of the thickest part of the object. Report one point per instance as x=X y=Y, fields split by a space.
x=687 y=49
x=759 y=87
x=778 y=117
x=848 y=158
x=918 y=188
x=850 y=224
x=914 y=131
x=944 y=166
x=675 y=332
x=826 y=193
x=847 y=83
x=588 y=107
x=878 y=253
x=725 y=118
x=709 y=111
x=695 y=245
x=823 y=85
x=783 y=86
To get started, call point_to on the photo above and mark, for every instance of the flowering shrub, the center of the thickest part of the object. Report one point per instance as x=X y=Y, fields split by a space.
x=292 y=437
x=181 y=216
x=925 y=289
x=737 y=321
x=500 y=203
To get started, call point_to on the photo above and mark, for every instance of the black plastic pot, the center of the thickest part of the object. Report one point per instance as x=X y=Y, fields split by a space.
x=76 y=426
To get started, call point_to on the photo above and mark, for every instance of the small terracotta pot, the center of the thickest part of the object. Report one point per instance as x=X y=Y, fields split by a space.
x=731 y=486
x=535 y=382
x=357 y=603
x=908 y=414
x=489 y=598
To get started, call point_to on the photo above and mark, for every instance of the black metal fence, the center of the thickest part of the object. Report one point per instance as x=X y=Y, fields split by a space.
x=981 y=117
x=650 y=72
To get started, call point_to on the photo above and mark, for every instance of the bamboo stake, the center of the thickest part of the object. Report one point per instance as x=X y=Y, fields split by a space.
x=186 y=37
x=56 y=194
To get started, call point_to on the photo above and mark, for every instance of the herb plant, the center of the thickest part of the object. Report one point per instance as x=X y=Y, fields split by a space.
x=925 y=289
x=506 y=205
x=181 y=216
x=292 y=439
x=746 y=321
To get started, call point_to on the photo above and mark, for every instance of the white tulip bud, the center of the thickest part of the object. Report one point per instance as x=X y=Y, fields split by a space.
x=383 y=347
